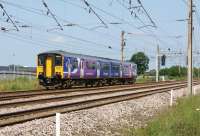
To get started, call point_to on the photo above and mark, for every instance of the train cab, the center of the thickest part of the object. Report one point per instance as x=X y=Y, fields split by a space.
x=50 y=67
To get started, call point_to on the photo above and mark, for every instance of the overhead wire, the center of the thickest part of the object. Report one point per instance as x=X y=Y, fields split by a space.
x=94 y=12
x=9 y=18
x=41 y=12
x=156 y=37
x=52 y=14
x=39 y=28
x=43 y=43
x=135 y=15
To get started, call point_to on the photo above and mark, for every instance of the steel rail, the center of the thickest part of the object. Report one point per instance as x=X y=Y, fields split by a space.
x=42 y=93
x=8 y=93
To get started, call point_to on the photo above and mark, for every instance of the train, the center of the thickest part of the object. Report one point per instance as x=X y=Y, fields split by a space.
x=61 y=69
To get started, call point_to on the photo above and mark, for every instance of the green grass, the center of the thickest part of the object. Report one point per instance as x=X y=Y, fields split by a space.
x=180 y=120
x=176 y=78
x=144 y=79
x=19 y=84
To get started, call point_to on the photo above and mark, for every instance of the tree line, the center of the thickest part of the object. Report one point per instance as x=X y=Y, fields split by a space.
x=142 y=62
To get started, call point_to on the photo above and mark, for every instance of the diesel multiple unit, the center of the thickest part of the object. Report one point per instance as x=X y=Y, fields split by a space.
x=60 y=69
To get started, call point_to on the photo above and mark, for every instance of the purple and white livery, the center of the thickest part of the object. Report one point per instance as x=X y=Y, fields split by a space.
x=64 y=69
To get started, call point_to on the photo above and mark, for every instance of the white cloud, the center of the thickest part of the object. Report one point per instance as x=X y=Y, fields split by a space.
x=58 y=39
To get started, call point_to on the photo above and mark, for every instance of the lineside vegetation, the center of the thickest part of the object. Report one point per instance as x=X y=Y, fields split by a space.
x=18 y=84
x=180 y=120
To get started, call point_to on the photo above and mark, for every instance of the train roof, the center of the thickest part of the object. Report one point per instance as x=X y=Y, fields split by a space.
x=64 y=53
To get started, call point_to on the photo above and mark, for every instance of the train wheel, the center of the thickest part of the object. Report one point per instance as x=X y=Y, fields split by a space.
x=86 y=84
x=67 y=85
x=100 y=83
x=92 y=84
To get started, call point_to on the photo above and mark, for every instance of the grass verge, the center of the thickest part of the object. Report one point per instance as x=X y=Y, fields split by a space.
x=144 y=79
x=180 y=120
x=19 y=84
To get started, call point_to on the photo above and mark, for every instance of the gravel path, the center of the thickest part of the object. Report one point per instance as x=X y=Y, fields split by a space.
x=102 y=121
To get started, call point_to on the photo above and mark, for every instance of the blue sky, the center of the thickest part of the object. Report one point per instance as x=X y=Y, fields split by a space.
x=86 y=36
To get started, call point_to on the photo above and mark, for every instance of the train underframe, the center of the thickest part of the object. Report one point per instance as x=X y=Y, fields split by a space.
x=59 y=83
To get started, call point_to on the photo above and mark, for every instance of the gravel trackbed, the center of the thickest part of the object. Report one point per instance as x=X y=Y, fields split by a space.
x=102 y=121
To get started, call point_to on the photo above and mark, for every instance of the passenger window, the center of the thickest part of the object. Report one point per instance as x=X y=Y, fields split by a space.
x=125 y=68
x=74 y=64
x=116 y=68
x=91 y=65
x=106 y=67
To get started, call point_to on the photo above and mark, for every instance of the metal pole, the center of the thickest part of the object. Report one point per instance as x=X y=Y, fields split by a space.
x=190 y=30
x=157 y=63
x=14 y=68
x=198 y=71
x=122 y=46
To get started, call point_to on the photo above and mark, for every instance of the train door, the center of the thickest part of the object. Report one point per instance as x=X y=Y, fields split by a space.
x=69 y=68
x=131 y=70
x=82 y=69
x=98 y=69
x=121 y=71
x=49 y=66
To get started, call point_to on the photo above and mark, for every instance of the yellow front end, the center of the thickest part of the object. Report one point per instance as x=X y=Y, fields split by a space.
x=50 y=66
x=40 y=70
x=59 y=71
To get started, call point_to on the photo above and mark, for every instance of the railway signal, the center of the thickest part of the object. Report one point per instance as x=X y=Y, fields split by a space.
x=163 y=60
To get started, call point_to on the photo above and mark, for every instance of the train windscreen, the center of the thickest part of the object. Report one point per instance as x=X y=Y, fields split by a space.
x=41 y=60
x=58 y=60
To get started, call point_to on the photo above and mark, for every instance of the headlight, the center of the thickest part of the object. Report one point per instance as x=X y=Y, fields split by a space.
x=41 y=73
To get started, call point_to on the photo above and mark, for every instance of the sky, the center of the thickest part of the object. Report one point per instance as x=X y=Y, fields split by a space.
x=84 y=32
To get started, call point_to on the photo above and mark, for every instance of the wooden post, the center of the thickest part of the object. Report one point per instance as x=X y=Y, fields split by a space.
x=57 y=124
x=171 y=97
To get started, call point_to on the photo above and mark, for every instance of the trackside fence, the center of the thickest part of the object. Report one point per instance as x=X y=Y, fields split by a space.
x=6 y=75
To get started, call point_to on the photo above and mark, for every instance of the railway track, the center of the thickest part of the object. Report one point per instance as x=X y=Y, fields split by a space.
x=77 y=94
x=35 y=91
x=92 y=101
x=26 y=94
